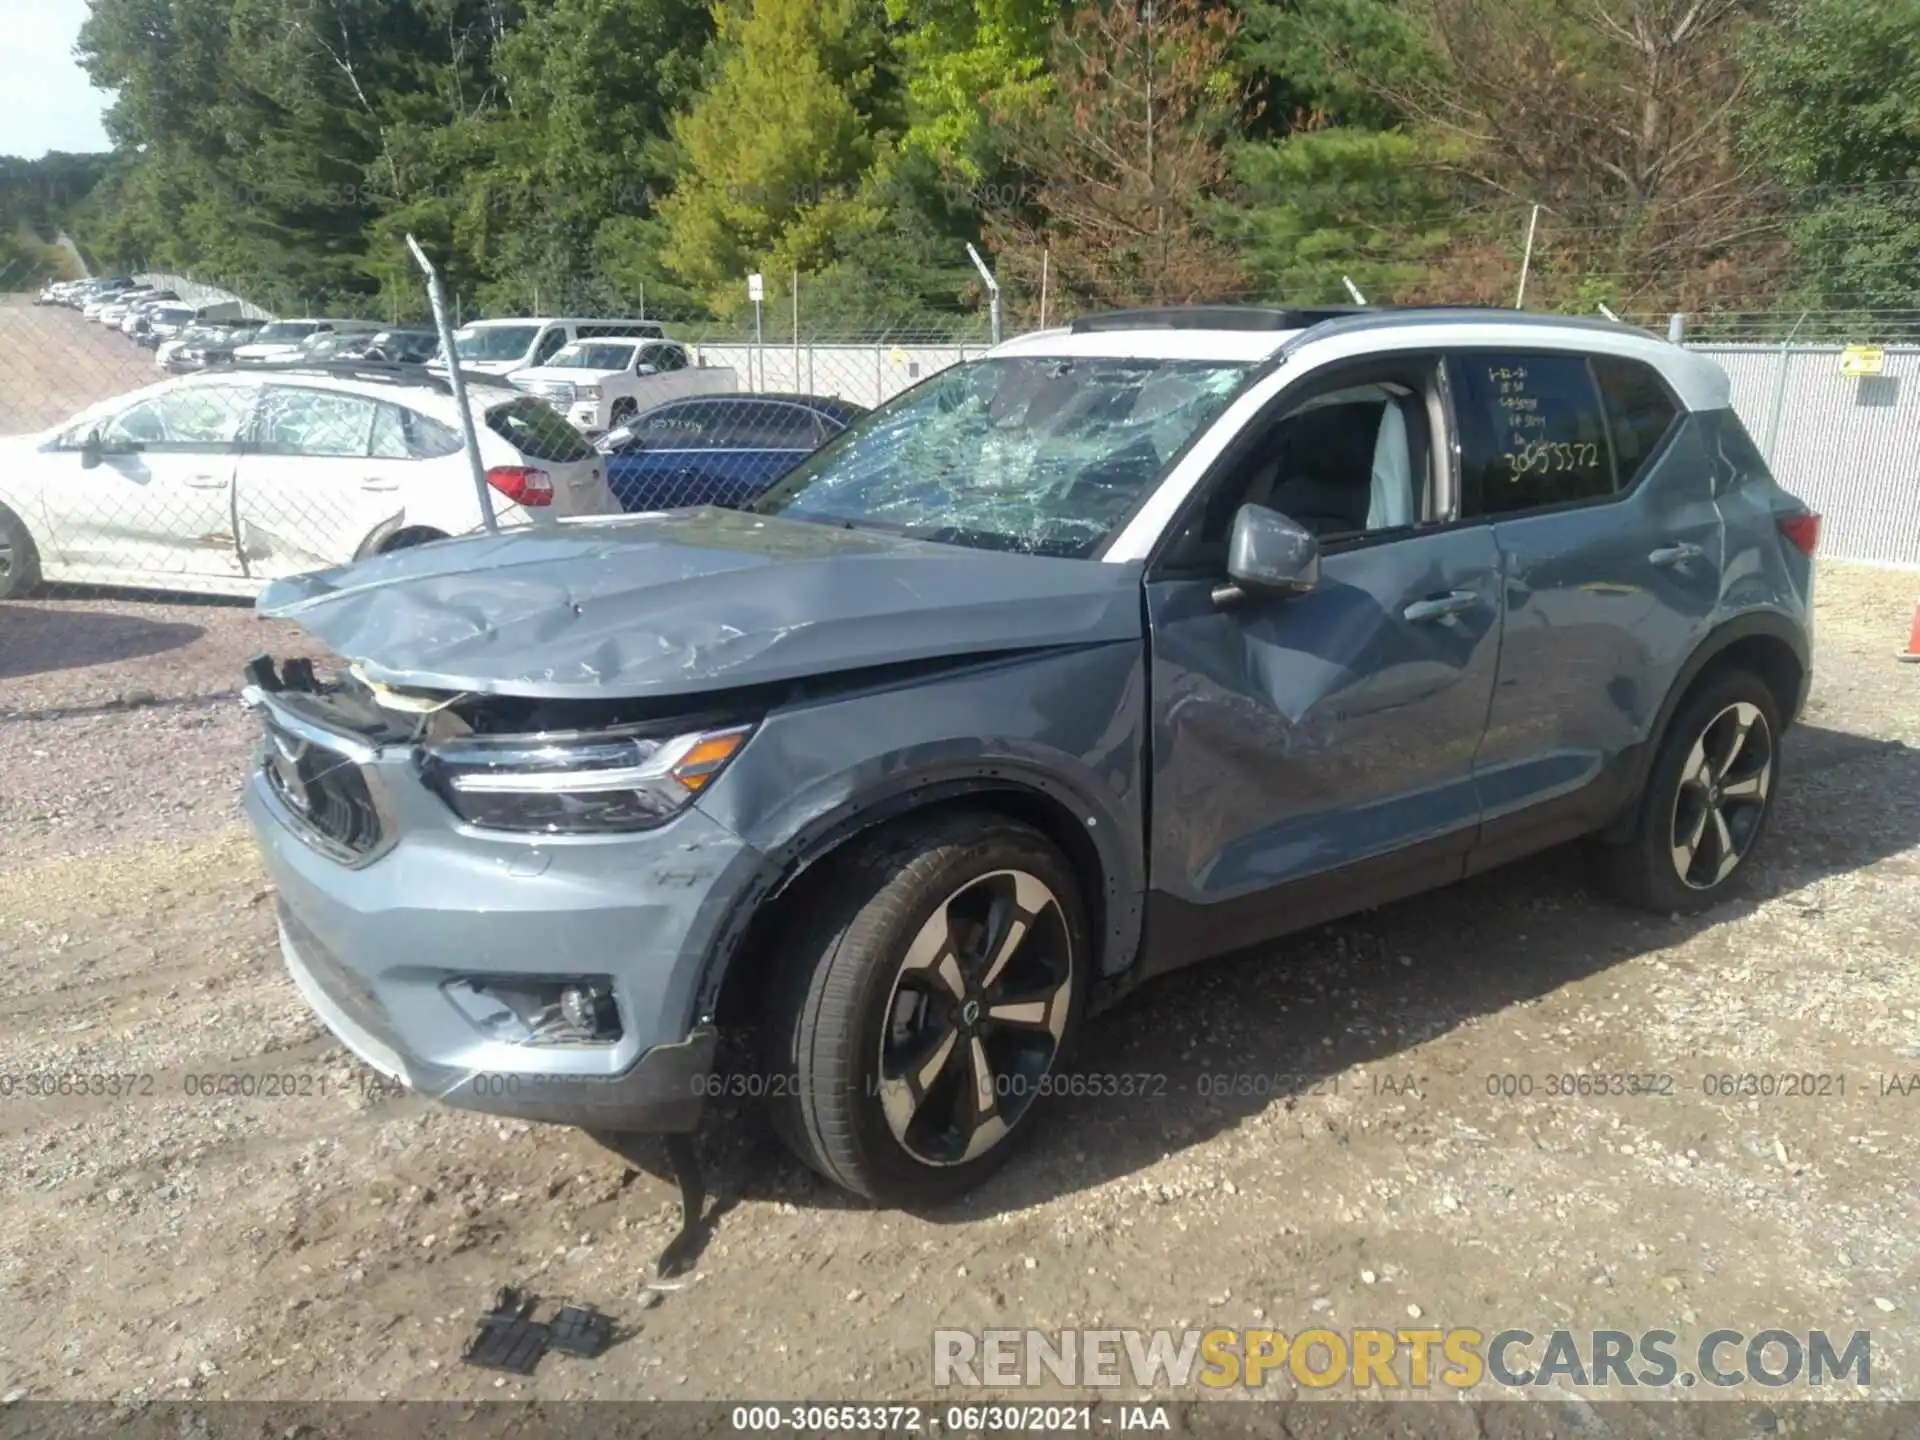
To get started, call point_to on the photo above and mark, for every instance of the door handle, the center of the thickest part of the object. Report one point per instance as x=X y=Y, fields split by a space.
x=206 y=482
x=1671 y=555
x=377 y=484
x=1439 y=607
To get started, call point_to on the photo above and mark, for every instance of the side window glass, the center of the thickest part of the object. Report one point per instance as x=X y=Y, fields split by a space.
x=550 y=344
x=315 y=423
x=190 y=418
x=672 y=357
x=679 y=427
x=390 y=434
x=1639 y=412
x=403 y=434
x=776 y=427
x=1533 y=434
x=1342 y=463
x=419 y=437
x=142 y=424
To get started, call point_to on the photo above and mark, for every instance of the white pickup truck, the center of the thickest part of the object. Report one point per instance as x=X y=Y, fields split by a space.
x=603 y=382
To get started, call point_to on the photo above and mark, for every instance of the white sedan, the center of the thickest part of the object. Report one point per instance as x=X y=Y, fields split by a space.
x=219 y=482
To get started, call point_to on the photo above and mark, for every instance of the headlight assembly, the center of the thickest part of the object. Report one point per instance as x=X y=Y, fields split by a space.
x=586 y=786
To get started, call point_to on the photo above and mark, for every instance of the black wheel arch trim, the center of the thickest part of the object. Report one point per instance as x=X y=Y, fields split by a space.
x=1120 y=911
x=1754 y=624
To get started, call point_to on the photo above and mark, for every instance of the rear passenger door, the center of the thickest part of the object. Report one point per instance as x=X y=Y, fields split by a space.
x=1601 y=505
x=310 y=488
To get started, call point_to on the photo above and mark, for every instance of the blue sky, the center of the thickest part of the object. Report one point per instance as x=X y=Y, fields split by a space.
x=50 y=105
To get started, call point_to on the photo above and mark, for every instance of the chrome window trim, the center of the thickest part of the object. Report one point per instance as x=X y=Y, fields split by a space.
x=1696 y=382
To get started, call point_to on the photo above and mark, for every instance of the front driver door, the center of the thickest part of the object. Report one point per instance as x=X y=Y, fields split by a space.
x=159 y=505
x=1313 y=755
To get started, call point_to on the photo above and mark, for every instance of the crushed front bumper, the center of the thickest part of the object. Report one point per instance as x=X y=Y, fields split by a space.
x=663 y=1091
x=375 y=942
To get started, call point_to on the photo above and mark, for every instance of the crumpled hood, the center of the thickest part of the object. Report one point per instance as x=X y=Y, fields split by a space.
x=692 y=601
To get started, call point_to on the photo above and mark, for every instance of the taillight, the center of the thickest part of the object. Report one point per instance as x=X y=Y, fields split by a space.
x=1803 y=530
x=522 y=484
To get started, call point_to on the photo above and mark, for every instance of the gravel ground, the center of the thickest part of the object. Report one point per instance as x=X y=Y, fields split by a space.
x=335 y=1242
x=52 y=363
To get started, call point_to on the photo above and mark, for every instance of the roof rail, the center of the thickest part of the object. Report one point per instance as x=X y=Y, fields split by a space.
x=384 y=372
x=1213 y=317
x=1417 y=315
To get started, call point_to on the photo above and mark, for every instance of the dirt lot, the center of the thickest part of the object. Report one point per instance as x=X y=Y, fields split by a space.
x=52 y=363
x=335 y=1244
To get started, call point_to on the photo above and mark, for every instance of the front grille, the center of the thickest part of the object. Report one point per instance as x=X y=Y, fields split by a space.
x=559 y=392
x=326 y=795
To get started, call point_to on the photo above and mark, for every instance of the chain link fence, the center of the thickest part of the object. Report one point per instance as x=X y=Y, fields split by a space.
x=198 y=444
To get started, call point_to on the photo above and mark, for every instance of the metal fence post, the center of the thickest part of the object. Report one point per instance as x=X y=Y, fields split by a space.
x=437 y=298
x=993 y=292
x=1780 y=386
x=1676 y=329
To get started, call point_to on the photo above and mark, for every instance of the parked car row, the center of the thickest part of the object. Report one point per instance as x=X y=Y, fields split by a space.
x=655 y=430
x=219 y=481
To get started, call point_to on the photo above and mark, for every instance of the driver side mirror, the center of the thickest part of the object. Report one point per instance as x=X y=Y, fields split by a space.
x=1268 y=554
x=647 y=367
x=91 y=450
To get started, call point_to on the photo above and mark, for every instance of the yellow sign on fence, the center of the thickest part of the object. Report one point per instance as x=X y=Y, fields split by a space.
x=1862 y=360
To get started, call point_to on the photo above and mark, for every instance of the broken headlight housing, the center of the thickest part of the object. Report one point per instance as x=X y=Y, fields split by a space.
x=589 y=785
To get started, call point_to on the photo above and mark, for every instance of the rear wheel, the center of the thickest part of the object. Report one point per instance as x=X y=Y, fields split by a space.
x=1707 y=800
x=19 y=559
x=923 y=1011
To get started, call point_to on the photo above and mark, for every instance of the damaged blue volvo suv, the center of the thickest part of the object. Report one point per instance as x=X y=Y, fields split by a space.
x=1125 y=645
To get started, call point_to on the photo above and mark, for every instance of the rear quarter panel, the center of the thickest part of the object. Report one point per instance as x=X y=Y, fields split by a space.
x=1762 y=570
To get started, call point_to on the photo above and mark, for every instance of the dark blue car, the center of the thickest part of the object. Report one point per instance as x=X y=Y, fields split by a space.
x=717 y=449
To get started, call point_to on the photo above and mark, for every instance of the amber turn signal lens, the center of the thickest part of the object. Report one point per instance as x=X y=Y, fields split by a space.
x=703 y=761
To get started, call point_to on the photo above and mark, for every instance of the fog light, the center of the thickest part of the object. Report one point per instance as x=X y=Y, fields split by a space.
x=589 y=1009
x=524 y=1010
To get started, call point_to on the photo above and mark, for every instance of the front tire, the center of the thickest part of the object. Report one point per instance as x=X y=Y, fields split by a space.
x=19 y=559
x=1707 y=800
x=926 y=1006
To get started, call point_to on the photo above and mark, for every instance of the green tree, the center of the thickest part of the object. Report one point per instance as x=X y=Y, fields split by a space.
x=1121 y=160
x=1324 y=205
x=1334 y=180
x=592 y=87
x=964 y=60
x=1834 y=112
x=783 y=150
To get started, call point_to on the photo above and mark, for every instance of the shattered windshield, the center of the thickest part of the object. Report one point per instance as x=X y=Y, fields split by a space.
x=1040 y=454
